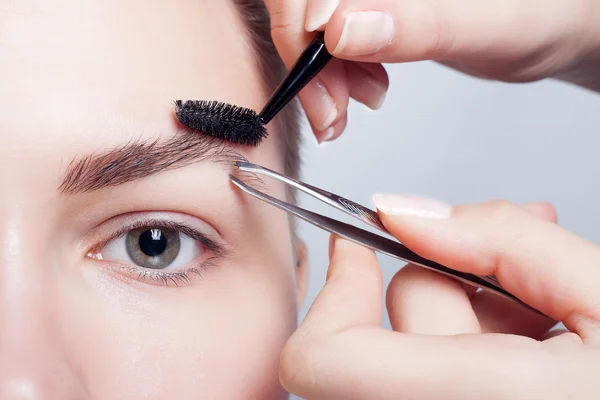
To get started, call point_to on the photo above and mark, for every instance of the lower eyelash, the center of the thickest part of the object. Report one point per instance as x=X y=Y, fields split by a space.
x=165 y=278
x=175 y=278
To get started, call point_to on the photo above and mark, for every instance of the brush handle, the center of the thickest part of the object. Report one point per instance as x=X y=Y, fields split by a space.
x=312 y=60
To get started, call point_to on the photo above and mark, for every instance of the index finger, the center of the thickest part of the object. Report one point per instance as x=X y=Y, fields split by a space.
x=538 y=261
x=287 y=27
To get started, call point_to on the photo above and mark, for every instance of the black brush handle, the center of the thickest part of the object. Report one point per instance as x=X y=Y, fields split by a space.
x=309 y=64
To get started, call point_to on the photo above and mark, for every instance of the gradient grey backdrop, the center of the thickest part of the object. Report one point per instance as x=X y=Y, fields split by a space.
x=445 y=135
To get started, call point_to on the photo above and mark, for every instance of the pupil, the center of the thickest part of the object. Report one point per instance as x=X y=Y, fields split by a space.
x=152 y=242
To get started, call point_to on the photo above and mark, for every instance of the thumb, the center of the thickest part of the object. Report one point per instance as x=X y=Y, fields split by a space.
x=351 y=298
x=352 y=295
x=399 y=31
x=538 y=261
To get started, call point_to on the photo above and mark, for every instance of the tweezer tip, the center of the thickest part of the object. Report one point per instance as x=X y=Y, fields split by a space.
x=235 y=180
x=247 y=166
x=238 y=182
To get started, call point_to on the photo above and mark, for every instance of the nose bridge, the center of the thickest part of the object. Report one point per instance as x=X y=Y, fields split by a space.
x=34 y=363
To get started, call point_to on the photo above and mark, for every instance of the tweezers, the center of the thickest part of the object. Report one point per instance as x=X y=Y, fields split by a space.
x=357 y=235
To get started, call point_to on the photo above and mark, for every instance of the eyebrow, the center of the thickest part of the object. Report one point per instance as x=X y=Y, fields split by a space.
x=140 y=159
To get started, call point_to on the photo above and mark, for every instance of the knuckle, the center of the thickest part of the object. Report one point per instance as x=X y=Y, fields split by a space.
x=549 y=211
x=443 y=36
x=506 y=229
x=503 y=213
x=282 y=33
x=283 y=19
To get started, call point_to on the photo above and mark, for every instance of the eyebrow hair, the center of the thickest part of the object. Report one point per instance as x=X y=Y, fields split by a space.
x=140 y=159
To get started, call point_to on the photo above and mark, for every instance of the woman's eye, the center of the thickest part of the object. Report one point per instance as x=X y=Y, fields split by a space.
x=153 y=247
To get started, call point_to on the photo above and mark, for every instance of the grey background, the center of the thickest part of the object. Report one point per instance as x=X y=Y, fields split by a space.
x=459 y=139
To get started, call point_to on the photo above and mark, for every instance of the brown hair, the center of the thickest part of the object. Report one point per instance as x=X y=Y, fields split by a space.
x=256 y=17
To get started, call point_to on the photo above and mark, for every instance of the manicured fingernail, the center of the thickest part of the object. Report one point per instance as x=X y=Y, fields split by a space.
x=373 y=91
x=323 y=110
x=365 y=32
x=378 y=99
x=318 y=13
x=326 y=135
x=393 y=204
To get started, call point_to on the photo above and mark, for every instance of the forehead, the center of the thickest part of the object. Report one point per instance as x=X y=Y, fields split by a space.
x=89 y=74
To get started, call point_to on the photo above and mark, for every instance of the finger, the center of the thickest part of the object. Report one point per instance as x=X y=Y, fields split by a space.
x=544 y=265
x=499 y=315
x=545 y=211
x=284 y=11
x=425 y=302
x=287 y=28
x=332 y=132
x=404 y=30
x=368 y=83
x=318 y=13
x=374 y=363
x=351 y=297
x=325 y=98
x=352 y=294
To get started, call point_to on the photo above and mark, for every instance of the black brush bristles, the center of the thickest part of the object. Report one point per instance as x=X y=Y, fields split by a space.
x=223 y=121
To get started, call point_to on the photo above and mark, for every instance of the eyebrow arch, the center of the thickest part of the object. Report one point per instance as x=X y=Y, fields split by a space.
x=139 y=159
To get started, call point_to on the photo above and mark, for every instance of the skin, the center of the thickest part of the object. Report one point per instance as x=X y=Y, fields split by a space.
x=85 y=77
x=512 y=41
x=448 y=341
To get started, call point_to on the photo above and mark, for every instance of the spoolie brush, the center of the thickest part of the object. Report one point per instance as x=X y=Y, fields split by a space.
x=224 y=121
x=241 y=125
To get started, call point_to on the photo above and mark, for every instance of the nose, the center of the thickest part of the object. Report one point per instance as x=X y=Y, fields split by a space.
x=34 y=357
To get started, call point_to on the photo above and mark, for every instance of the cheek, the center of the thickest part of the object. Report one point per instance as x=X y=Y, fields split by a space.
x=219 y=337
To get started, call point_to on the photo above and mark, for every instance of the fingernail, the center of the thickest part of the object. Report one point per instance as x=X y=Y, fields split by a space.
x=332 y=240
x=325 y=136
x=375 y=93
x=365 y=32
x=378 y=100
x=318 y=14
x=331 y=245
x=336 y=243
x=323 y=109
x=393 y=204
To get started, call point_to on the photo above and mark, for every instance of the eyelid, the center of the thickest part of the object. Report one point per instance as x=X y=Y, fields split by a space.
x=186 y=224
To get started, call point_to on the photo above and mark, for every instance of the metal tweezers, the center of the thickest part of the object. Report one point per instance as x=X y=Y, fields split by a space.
x=365 y=238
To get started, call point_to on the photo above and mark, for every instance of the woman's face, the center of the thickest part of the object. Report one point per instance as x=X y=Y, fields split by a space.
x=170 y=286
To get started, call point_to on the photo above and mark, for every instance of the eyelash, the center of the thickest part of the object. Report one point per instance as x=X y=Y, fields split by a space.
x=166 y=278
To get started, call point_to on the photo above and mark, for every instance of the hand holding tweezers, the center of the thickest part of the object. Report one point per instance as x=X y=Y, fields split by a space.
x=373 y=241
